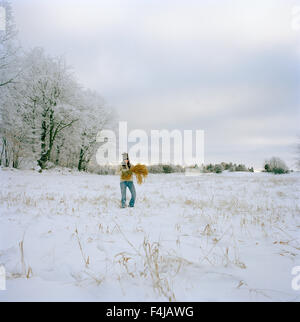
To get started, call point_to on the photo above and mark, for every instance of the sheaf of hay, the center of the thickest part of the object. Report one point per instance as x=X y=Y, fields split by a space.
x=140 y=171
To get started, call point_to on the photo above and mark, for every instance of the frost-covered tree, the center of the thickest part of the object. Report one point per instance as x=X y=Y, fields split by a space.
x=50 y=100
x=41 y=103
x=45 y=115
x=275 y=165
x=8 y=47
x=15 y=143
x=48 y=118
x=95 y=117
x=10 y=144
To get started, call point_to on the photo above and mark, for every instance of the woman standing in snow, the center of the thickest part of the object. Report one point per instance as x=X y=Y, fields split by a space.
x=126 y=180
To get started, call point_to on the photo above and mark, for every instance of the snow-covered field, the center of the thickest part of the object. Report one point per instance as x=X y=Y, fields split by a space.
x=228 y=237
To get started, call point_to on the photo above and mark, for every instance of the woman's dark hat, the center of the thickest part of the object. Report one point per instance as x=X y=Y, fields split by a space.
x=125 y=156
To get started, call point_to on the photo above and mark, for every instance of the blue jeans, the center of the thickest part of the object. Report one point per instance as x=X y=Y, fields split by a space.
x=130 y=185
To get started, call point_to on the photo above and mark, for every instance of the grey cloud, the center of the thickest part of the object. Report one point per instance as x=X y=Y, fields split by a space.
x=230 y=69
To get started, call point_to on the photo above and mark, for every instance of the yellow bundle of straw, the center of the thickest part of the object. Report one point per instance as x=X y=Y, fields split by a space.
x=140 y=171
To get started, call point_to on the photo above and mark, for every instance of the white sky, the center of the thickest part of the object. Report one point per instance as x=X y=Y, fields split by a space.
x=230 y=68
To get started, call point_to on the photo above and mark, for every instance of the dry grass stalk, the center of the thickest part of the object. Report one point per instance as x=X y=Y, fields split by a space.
x=86 y=260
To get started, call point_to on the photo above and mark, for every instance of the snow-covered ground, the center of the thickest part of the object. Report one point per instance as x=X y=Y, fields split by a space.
x=227 y=237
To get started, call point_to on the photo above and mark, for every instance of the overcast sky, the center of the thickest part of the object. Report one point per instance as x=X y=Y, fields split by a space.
x=230 y=68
